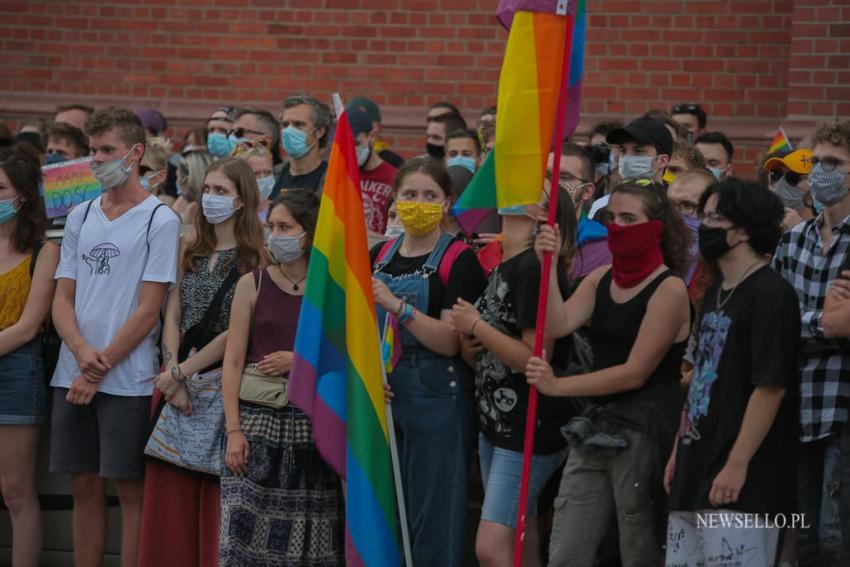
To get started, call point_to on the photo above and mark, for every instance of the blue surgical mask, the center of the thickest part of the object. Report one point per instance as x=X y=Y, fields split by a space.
x=145 y=181
x=636 y=167
x=294 y=142
x=286 y=249
x=514 y=211
x=692 y=222
x=462 y=161
x=217 y=208
x=266 y=185
x=219 y=145
x=54 y=158
x=394 y=231
x=7 y=210
x=363 y=153
x=716 y=172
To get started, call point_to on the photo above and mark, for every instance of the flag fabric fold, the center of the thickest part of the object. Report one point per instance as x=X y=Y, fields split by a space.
x=336 y=375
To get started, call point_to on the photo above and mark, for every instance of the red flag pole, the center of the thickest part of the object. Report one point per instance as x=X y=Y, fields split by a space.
x=531 y=413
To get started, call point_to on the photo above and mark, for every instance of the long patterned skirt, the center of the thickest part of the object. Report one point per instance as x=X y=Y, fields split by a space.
x=288 y=508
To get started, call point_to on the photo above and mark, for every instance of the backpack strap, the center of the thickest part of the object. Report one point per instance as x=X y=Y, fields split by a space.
x=150 y=222
x=454 y=250
x=35 y=250
x=386 y=253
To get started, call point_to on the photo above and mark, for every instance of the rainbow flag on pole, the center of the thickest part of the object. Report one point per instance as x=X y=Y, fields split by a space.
x=336 y=375
x=529 y=84
x=780 y=142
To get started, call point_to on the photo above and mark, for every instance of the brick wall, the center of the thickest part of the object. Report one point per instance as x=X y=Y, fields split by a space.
x=743 y=60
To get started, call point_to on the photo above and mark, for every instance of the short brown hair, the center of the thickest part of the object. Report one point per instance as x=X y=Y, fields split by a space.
x=689 y=154
x=71 y=134
x=123 y=121
x=835 y=132
x=433 y=168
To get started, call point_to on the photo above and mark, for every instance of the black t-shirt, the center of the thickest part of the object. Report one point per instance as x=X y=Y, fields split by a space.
x=509 y=304
x=753 y=340
x=466 y=278
x=312 y=181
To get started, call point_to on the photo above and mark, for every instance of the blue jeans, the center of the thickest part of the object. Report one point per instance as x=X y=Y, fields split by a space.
x=434 y=424
x=819 y=496
x=23 y=400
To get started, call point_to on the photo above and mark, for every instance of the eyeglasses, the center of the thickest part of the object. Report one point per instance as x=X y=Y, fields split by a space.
x=686 y=109
x=566 y=178
x=791 y=177
x=711 y=218
x=828 y=163
x=240 y=132
x=686 y=208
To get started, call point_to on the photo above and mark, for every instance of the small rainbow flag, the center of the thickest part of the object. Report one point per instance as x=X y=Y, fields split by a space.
x=391 y=343
x=336 y=375
x=780 y=142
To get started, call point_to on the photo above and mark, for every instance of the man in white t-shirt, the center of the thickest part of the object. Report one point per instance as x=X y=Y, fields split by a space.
x=119 y=256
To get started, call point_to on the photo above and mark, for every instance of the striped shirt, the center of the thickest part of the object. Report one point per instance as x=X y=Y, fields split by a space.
x=825 y=363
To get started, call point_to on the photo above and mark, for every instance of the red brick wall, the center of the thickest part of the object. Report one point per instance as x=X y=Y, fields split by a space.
x=186 y=57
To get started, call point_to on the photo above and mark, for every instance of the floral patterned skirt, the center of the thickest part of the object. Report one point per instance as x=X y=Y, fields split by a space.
x=288 y=508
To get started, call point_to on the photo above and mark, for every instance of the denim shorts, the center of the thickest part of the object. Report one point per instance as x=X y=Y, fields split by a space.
x=501 y=472
x=24 y=395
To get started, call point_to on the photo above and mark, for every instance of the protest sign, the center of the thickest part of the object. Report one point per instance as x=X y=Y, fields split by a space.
x=66 y=185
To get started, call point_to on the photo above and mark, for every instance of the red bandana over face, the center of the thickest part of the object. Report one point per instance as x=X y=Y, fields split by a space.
x=636 y=251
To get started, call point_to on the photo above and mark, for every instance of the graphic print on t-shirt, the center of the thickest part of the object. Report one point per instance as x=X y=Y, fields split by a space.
x=496 y=396
x=98 y=258
x=712 y=338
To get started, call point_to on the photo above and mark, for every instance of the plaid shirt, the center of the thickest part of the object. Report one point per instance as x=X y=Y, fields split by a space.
x=825 y=363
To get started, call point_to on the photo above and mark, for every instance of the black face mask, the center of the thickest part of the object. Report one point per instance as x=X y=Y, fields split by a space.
x=435 y=151
x=712 y=242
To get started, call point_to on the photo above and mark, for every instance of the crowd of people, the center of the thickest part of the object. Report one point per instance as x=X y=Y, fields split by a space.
x=694 y=384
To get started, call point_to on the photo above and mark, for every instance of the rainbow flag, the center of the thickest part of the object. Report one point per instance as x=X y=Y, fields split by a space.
x=576 y=68
x=391 y=343
x=529 y=85
x=336 y=375
x=479 y=197
x=780 y=142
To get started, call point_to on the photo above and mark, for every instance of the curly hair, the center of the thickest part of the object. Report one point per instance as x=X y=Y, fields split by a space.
x=22 y=166
x=836 y=132
x=676 y=238
x=689 y=154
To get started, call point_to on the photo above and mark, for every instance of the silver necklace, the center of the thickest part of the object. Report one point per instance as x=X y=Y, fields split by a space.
x=722 y=303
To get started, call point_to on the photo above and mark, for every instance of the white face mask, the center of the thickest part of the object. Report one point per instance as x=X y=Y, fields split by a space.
x=363 y=153
x=217 y=208
x=636 y=167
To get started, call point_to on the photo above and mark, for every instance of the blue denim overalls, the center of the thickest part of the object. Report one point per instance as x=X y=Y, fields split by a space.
x=434 y=423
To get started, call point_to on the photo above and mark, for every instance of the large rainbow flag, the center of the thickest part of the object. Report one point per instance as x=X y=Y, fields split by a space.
x=336 y=375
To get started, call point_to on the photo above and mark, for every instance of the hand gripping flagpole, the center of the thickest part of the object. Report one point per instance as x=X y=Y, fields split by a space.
x=539 y=335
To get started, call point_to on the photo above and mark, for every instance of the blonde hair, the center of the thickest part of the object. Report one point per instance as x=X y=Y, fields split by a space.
x=195 y=164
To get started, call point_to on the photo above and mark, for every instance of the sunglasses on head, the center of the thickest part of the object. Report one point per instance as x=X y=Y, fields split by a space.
x=240 y=132
x=685 y=109
x=791 y=177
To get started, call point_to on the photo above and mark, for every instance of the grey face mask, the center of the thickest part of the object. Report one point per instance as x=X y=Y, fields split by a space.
x=791 y=195
x=827 y=186
x=112 y=173
x=286 y=249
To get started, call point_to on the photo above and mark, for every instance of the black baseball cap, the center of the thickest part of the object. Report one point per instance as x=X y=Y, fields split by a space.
x=644 y=130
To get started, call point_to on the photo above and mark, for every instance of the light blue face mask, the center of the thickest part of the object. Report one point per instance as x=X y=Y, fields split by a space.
x=7 y=210
x=716 y=172
x=266 y=185
x=462 y=161
x=514 y=211
x=295 y=142
x=636 y=167
x=219 y=145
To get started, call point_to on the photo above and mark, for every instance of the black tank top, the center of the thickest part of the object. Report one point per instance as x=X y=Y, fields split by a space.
x=614 y=330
